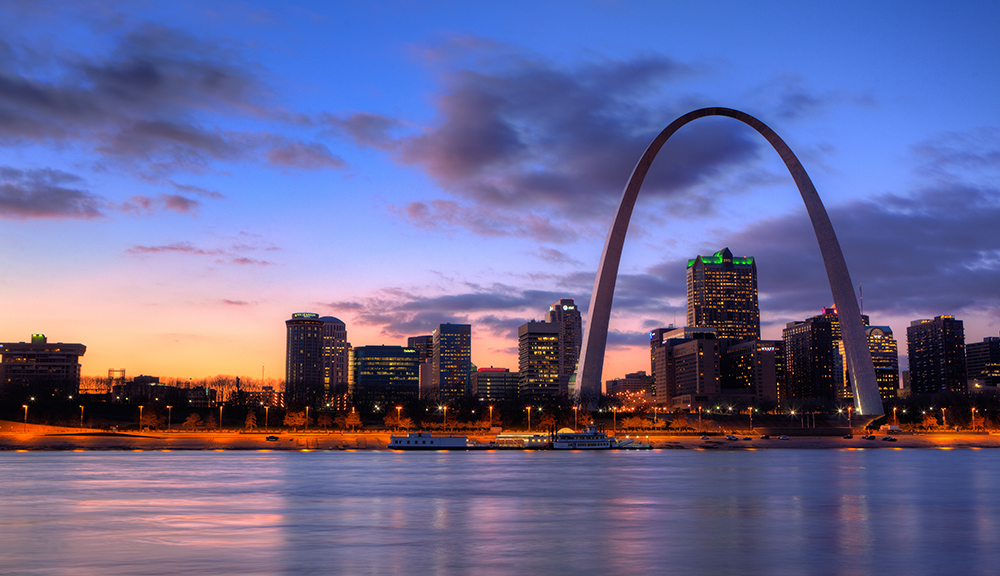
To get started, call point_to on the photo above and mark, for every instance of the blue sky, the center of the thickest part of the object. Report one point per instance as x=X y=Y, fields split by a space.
x=177 y=178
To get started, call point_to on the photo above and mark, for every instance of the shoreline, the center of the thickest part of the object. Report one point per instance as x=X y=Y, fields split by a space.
x=39 y=438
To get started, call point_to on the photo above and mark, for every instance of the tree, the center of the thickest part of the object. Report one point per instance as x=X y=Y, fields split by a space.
x=211 y=423
x=151 y=419
x=294 y=419
x=634 y=423
x=353 y=420
x=251 y=422
x=325 y=420
x=193 y=422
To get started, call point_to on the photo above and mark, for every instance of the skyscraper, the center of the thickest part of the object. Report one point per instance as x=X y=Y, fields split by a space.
x=982 y=359
x=937 y=355
x=686 y=366
x=885 y=359
x=566 y=315
x=755 y=367
x=722 y=294
x=304 y=360
x=538 y=360
x=812 y=357
x=452 y=357
x=495 y=384
x=335 y=347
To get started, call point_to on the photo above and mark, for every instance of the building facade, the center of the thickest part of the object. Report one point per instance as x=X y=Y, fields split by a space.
x=636 y=383
x=538 y=360
x=495 y=384
x=566 y=315
x=722 y=294
x=383 y=376
x=39 y=369
x=885 y=359
x=335 y=357
x=452 y=358
x=982 y=362
x=686 y=366
x=937 y=355
x=304 y=384
x=754 y=368
x=813 y=365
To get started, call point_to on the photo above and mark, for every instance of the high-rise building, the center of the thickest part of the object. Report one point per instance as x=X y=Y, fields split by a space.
x=982 y=359
x=335 y=347
x=722 y=294
x=754 y=368
x=495 y=384
x=538 y=360
x=885 y=359
x=40 y=369
x=424 y=345
x=813 y=365
x=686 y=366
x=304 y=360
x=382 y=376
x=566 y=315
x=937 y=355
x=452 y=355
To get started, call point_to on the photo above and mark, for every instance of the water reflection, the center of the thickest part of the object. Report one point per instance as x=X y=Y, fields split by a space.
x=767 y=512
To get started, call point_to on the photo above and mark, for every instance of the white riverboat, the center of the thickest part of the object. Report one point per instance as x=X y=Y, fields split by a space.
x=590 y=439
x=424 y=441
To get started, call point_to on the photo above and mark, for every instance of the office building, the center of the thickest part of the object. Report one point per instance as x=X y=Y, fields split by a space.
x=39 y=369
x=722 y=294
x=538 y=360
x=495 y=384
x=451 y=357
x=383 y=376
x=937 y=355
x=885 y=359
x=635 y=384
x=424 y=345
x=335 y=356
x=755 y=369
x=566 y=315
x=813 y=365
x=982 y=359
x=304 y=360
x=686 y=366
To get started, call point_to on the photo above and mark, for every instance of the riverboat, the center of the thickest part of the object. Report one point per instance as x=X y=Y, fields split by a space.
x=424 y=441
x=590 y=439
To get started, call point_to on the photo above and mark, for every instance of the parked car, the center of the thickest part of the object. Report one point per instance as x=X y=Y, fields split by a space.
x=704 y=437
x=782 y=437
x=271 y=438
x=765 y=437
x=848 y=436
x=888 y=439
x=747 y=438
x=868 y=437
x=731 y=437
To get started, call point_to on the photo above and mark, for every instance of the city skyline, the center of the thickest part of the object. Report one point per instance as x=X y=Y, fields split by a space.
x=181 y=180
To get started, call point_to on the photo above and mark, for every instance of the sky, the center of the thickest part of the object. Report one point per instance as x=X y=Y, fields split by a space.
x=178 y=178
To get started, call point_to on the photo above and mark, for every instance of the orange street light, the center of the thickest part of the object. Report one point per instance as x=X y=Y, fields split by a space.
x=220 y=417
x=576 y=414
x=491 y=416
x=140 y=418
x=81 y=416
x=25 y=406
x=399 y=416
x=529 y=418
x=170 y=412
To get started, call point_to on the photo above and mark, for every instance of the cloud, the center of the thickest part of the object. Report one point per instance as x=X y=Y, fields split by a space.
x=228 y=302
x=526 y=147
x=231 y=255
x=45 y=193
x=157 y=103
x=556 y=256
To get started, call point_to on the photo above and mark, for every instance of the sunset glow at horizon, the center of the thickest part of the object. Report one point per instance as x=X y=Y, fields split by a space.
x=178 y=179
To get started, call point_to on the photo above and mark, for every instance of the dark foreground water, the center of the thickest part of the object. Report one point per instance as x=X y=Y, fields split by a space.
x=484 y=513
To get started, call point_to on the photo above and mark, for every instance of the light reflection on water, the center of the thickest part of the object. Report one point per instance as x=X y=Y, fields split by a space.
x=767 y=512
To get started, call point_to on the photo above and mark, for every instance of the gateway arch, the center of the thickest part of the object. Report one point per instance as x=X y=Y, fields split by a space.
x=859 y=361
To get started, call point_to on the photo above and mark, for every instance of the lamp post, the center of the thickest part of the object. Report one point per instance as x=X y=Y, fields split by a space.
x=529 y=418
x=399 y=416
x=849 y=409
x=25 y=406
x=306 y=426
x=220 y=417
x=140 y=418
x=491 y=416
x=81 y=415
x=170 y=412
x=972 y=424
x=444 y=422
x=576 y=417
x=894 y=417
x=266 y=408
x=944 y=420
x=614 y=419
x=751 y=419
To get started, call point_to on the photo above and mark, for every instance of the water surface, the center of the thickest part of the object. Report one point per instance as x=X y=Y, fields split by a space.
x=836 y=512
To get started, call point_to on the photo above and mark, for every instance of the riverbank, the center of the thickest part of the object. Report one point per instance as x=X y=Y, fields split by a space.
x=16 y=436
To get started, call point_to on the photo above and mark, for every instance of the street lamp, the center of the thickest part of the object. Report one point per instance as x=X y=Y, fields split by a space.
x=944 y=420
x=972 y=425
x=614 y=420
x=491 y=416
x=894 y=417
x=220 y=417
x=25 y=406
x=399 y=416
x=266 y=408
x=81 y=416
x=306 y=426
x=529 y=418
x=170 y=412
x=140 y=418
x=576 y=419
